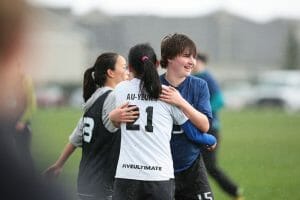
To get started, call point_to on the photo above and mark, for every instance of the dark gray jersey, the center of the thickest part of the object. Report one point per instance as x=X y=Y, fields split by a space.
x=100 y=152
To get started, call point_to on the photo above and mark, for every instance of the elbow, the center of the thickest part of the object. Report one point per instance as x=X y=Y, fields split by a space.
x=203 y=124
x=206 y=126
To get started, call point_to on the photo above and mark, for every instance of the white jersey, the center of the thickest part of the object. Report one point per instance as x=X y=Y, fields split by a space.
x=145 y=145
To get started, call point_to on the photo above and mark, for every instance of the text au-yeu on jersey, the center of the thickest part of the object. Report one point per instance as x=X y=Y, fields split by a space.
x=140 y=96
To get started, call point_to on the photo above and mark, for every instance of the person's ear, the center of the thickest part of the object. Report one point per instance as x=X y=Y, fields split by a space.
x=110 y=73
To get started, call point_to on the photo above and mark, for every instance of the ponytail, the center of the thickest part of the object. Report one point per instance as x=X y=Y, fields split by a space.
x=89 y=85
x=150 y=81
x=96 y=76
x=142 y=59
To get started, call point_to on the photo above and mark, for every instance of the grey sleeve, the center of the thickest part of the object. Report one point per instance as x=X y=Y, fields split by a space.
x=76 y=137
x=179 y=117
x=108 y=106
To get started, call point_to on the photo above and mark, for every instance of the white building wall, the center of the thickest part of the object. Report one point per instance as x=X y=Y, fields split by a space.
x=62 y=58
x=60 y=52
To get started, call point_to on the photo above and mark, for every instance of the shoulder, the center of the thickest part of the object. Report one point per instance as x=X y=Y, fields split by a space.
x=102 y=92
x=197 y=87
x=110 y=99
x=209 y=76
x=196 y=81
x=121 y=86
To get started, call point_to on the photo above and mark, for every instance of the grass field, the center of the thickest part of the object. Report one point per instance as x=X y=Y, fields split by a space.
x=259 y=150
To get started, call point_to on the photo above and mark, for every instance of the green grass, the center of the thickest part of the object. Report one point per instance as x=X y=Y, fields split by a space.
x=259 y=150
x=51 y=130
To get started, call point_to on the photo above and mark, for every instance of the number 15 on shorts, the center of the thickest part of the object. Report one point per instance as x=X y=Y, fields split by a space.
x=205 y=196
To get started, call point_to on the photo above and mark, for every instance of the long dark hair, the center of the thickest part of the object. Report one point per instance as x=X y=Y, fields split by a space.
x=142 y=60
x=96 y=75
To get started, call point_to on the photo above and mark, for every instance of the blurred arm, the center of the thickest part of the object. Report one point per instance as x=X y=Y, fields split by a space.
x=56 y=169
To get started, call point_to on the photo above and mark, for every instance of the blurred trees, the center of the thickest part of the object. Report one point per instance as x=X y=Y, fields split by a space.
x=292 y=56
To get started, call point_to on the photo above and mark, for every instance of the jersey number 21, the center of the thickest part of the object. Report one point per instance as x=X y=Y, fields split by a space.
x=135 y=127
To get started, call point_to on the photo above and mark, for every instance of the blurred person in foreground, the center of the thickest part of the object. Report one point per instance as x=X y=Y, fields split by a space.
x=217 y=103
x=23 y=134
x=17 y=181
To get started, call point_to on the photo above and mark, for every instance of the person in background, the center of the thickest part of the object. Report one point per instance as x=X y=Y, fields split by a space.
x=217 y=103
x=178 y=54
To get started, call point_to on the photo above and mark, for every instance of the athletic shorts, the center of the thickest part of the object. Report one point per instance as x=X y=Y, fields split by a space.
x=101 y=192
x=192 y=183
x=127 y=189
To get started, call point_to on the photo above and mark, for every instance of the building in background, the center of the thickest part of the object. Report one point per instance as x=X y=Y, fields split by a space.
x=240 y=49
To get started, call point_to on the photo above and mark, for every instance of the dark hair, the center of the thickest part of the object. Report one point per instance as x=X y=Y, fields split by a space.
x=142 y=60
x=95 y=76
x=202 y=57
x=174 y=45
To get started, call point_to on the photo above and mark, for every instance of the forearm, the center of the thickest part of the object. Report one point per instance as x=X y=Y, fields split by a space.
x=199 y=119
x=116 y=124
x=67 y=152
x=29 y=110
x=196 y=136
x=112 y=120
x=123 y=114
x=172 y=96
x=114 y=117
x=30 y=101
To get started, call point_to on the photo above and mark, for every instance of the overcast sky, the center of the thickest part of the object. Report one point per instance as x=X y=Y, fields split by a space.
x=258 y=10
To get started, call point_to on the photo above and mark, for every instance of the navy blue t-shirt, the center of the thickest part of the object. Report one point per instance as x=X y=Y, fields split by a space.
x=185 y=151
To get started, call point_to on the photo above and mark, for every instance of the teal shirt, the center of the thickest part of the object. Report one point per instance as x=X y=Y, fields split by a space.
x=216 y=96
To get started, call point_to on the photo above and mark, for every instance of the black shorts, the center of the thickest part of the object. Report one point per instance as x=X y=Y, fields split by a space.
x=94 y=197
x=192 y=183
x=87 y=197
x=97 y=192
x=127 y=189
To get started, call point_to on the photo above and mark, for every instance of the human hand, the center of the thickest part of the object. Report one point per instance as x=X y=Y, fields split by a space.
x=171 y=95
x=20 y=126
x=211 y=148
x=124 y=113
x=53 y=171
